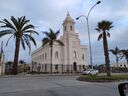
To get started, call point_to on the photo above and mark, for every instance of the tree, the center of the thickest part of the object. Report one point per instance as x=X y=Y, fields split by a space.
x=103 y=27
x=22 y=62
x=124 y=54
x=50 y=38
x=9 y=66
x=21 y=30
x=116 y=52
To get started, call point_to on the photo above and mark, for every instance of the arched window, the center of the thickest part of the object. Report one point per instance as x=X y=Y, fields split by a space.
x=45 y=56
x=83 y=56
x=56 y=55
x=71 y=27
x=40 y=57
x=74 y=54
x=64 y=28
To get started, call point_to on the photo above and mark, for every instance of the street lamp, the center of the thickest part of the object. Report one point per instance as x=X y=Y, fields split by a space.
x=87 y=17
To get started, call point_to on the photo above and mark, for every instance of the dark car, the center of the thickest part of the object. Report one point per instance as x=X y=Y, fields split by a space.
x=123 y=89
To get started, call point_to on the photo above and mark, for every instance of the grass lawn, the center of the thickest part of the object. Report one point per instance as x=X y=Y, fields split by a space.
x=102 y=78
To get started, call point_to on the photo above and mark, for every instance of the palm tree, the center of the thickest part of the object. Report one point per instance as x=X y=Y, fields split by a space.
x=22 y=62
x=116 y=52
x=103 y=27
x=125 y=54
x=20 y=29
x=50 y=38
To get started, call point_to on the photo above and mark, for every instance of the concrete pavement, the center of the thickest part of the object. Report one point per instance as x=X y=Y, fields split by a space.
x=39 y=85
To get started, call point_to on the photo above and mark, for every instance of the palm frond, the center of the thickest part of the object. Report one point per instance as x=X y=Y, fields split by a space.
x=122 y=53
x=57 y=33
x=8 y=40
x=50 y=37
x=31 y=31
x=15 y=22
x=45 y=41
x=27 y=43
x=47 y=34
x=19 y=20
x=7 y=24
x=23 y=44
x=31 y=38
x=24 y=21
x=6 y=32
x=100 y=36
x=98 y=30
x=108 y=34
x=51 y=30
x=61 y=43
x=112 y=51
x=110 y=27
x=105 y=25
x=25 y=28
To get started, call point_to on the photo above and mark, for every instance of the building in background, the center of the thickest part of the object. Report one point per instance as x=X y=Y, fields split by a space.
x=72 y=57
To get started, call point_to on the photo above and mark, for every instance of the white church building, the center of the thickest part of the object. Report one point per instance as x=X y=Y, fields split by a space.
x=70 y=57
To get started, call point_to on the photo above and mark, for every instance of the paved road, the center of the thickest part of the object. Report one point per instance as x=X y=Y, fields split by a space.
x=54 y=86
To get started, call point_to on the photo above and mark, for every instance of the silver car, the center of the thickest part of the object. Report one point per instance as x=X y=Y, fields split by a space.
x=90 y=72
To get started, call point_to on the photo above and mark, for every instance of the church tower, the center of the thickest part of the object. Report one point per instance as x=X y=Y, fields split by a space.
x=71 y=41
x=68 y=25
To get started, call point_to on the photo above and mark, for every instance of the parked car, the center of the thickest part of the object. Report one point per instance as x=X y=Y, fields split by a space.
x=90 y=72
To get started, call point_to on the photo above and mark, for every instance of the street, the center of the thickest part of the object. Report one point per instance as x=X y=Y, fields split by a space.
x=43 y=85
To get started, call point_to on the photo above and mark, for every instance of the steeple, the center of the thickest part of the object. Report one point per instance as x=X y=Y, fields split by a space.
x=68 y=18
x=68 y=24
x=68 y=14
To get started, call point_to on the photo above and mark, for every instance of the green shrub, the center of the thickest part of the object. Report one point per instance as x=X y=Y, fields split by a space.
x=102 y=78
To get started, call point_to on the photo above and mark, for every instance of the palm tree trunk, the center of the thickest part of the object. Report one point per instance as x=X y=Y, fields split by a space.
x=16 y=56
x=9 y=68
x=51 y=59
x=107 y=62
x=117 y=60
x=127 y=61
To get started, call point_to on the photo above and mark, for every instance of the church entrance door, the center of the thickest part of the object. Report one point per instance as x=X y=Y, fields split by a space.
x=74 y=66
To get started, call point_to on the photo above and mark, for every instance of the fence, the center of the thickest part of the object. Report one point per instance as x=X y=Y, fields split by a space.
x=56 y=68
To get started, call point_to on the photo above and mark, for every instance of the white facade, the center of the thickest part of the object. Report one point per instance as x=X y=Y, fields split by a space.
x=71 y=57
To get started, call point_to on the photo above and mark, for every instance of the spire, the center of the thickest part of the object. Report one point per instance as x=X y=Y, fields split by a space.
x=68 y=18
x=68 y=14
x=68 y=24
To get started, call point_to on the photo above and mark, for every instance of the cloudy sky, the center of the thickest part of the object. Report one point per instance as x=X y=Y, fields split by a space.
x=45 y=14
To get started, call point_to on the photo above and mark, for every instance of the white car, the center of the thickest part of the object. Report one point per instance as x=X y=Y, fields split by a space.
x=90 y=72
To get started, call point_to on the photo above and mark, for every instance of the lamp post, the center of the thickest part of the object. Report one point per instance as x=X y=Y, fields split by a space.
x=87 y=17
